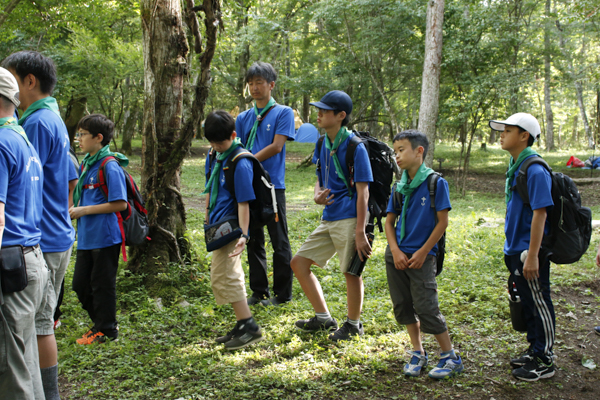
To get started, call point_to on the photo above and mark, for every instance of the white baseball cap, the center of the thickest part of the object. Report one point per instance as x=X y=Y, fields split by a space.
x=523 y=120
x=9 y=87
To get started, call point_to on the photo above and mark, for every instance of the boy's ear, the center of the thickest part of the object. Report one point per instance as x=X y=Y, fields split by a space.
x=233 y=135
x=341 y=115
x=420 y=150
x=272 y=85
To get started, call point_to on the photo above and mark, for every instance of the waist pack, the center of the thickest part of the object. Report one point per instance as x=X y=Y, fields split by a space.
x=221 y=232
x=13 y=272
x=570 y=223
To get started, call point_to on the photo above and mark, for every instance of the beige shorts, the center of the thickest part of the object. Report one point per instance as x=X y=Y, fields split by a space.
x=57 y=264
x=329 y=238
x=227 y=276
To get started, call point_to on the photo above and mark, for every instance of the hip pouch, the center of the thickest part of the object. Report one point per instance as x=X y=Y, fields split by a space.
x=13 y=273
x=221 y=232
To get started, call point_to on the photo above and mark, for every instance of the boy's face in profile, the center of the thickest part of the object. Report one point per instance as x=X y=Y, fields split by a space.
x=406 y=156
x=326 y=119
x=224 y=145
x=510 y=138
x=260 y=88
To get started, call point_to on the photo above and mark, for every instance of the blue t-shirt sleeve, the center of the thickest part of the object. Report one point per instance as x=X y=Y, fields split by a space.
x=73 y=173
x=243 y=174
x=539 y=187
x=442 y=196
x=390 y=206
x=286 y=125
x=239 y=128
x=115 y=180
x=4 y=176
x=362 y=165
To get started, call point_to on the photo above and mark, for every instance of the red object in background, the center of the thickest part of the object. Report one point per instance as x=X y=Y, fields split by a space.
x=575 y=162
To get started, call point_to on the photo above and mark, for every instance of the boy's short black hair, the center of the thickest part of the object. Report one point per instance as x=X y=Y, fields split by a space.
x=98 y=124
x=31 y=62
x=263 y=70
x=346 y=118
x=530 y=140
x=218 y=126
x=416 y=139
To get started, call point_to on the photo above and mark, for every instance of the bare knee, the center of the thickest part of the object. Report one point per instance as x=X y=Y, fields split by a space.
x=300 y=265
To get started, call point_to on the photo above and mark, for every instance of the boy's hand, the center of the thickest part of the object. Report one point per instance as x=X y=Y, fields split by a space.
x=417 y=259
x=598 y=258
x=322 y=197
x=400 y=259
x=76 y=212
x=363 y=248
x=531 y=267
x=239 y=247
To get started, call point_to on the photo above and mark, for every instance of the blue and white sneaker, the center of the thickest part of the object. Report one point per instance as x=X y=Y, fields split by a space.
x=447 y=367
x=597 y=330
x=417 y=362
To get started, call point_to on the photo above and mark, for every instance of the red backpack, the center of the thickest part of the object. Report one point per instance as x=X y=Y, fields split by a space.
x=133 y=221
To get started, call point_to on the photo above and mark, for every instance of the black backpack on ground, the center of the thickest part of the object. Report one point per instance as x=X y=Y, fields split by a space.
x=264 y=208
x=432 y=181
x=570 y=223
x=383 y=165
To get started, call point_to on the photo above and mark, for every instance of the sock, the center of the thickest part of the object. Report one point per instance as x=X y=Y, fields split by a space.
x=248 y=324
x=50 y=382
x=450 y=354
x=323 y=316
x=353 y=322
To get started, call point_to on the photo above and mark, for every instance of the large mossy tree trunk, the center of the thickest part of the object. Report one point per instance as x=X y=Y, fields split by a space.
x=75 y=110
x=166 y=137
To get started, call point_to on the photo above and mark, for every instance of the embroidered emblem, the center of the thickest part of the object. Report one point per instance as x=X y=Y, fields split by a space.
x=423 y=201
x=268 y=127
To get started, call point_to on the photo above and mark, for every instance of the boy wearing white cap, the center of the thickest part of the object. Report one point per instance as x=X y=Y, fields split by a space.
x=526 y=225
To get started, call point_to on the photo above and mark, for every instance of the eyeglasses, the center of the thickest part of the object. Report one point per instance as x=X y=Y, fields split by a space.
x=80 y=134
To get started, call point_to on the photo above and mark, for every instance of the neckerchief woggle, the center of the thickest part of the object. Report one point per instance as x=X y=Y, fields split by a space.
x=259 y=116
x=406 y=189
x=212 y=185
x=513 y=167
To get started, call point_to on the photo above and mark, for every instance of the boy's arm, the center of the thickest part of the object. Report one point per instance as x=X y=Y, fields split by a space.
x=419 y=256
x=363 y=248
x=244 y=220
x=206 y=214
x=532 y=263
x=400 y=260
x=104 y=208
x=322 y=195
x=272 y=149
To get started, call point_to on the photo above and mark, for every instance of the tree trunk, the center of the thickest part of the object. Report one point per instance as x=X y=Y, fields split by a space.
x=129 y=124
x=575 y=138
x=244 y=56
x=430 y=90
x=306 y=107
x=76 y=108
x=547 y=80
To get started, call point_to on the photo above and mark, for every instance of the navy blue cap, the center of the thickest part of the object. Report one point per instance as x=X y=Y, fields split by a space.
x=335 y=100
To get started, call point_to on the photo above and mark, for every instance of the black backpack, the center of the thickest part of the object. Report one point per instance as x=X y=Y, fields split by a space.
x=133 y=221
x=383 y=165
x=570 y=223
x=263 y=209
x=74 y=160
x=432 y=181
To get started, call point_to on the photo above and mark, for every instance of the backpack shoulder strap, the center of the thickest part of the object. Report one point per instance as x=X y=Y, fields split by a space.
x=397 y=199
x=521 y=181
x=231 y=164
x=350 y=151
x=318 y=150
x=432 y=181
x=212 y=156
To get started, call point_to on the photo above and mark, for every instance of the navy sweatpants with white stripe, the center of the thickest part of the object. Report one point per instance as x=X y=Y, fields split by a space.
x=537 y=304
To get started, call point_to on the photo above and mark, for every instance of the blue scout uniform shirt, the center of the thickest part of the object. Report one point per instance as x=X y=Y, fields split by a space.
x=279 y=121
x=226 y=204
x=97 y=231
x=420 y=216
x=21 y=182
x=518 y=216
x=343 y=206
x=48 y=135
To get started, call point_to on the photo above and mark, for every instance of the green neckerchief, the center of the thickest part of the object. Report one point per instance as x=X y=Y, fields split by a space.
x=259 y=116
x=88 y=162
x=340 y=137
x=11 y=123
x=513 y=167
x=212 y=185
x=406 y=189
x=47 y=102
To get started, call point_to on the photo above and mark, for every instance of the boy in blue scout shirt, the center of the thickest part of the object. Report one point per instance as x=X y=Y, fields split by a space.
x=99 y=235
x=21 y=183
x=524 y=228
x=226 y=273
x=410 y=256
x=342 y=228
x=36 y=76
x=263 y=130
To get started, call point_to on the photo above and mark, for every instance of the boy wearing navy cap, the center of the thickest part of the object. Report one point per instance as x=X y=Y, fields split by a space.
x=526 y=224
x=342 y=228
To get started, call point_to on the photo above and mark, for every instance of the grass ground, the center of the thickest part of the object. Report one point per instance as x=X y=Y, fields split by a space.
x=168 y=352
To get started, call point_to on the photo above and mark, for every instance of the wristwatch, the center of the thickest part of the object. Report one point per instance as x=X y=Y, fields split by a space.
x=247 y=237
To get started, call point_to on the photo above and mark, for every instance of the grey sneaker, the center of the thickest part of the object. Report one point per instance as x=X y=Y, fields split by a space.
x=522 y=359
x=228 y=336
x=447 y=367
x=314 y=325
x=346 y=332
x=416 y=364
x=244 y=337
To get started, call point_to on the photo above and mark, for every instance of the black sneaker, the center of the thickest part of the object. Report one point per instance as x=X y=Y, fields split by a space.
x=228 y=336
x=522 y=359
x=244 y=337
x=273 y=301
x=346 y=332
x=314 y=325
x=597 y=330
x=252 y=300
x=534 y=370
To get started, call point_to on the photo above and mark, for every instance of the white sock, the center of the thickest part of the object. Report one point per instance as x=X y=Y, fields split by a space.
x=323 y=316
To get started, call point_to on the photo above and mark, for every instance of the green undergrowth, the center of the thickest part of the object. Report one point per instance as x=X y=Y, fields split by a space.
x=169 y=352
